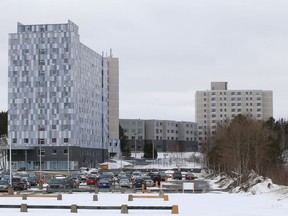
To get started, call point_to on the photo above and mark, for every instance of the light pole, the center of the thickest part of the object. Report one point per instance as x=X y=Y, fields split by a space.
x=10 y=163
x=135 y=149
x=68 y=160
x=153 y=149
x=40 y=161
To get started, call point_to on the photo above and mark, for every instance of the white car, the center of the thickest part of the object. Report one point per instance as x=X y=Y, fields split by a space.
x=124 y=182
x=148 y=181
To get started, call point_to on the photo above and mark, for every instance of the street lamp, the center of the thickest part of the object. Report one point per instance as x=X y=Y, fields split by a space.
x=10 y=163
x=40 y=161
x=135 y=148
x=68 y=160
x=153 y=149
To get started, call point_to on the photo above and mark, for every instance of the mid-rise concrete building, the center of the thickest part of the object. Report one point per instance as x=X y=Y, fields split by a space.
x=220 y=105
x=58 y=99
x=113 y=104
x=165 y=135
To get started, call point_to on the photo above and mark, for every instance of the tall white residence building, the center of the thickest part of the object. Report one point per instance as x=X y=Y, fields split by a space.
x=219 y=105
x=57 y=99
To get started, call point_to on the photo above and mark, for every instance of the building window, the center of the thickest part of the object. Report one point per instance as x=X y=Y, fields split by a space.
x=54 y=140
x=41 y=141
x=66 y=127
x=66 y=140
x=65 y=151
x=14 y=141
x=54 y=151
x=41 y=73
x=41 y=117
x=42 y=152
x=42 y=51
x=55 y=50
x=26 y=140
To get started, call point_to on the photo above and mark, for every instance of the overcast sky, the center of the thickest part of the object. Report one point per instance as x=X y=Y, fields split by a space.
x=168 y=49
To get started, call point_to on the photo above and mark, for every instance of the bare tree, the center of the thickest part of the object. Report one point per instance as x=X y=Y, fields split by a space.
x=244 y=144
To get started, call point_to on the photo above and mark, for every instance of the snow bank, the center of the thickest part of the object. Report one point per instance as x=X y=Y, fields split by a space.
x=253 y=184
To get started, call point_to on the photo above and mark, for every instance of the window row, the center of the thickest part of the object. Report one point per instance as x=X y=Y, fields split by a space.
x=232 y=93
x=41 y=141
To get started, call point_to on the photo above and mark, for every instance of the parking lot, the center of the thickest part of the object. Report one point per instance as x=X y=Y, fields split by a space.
x=116 y=181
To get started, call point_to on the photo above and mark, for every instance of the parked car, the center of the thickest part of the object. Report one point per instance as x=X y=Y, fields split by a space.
x=56 y=184
x=69 y=183
x=91 y=180
x=148 y=181
x=190 y=176
x=155 y=177
x=4 y=184
x=108 y=175
x=137 y=183
x=177 y=175
x=59 y=184
x=104 y=183
x=124 y=182
x=122 y=175
x=163 y=175
x=77 y=180
x=19 y=183
x=135 y=175
x=33 y=180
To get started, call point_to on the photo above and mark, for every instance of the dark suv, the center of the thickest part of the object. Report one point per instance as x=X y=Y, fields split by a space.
x=19 y=183
x=177 y=175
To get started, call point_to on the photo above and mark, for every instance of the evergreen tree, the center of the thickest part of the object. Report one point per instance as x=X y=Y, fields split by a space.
x=148 y=151
x=3 y=123
x=125 y=149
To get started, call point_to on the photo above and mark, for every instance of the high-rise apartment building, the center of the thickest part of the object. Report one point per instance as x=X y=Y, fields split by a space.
x=57 y=99
x=219 y=105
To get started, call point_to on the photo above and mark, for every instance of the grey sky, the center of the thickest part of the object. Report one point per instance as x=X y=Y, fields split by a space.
x=168 y=49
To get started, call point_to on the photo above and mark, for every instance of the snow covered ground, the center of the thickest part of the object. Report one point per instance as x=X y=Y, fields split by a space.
x=204 y=204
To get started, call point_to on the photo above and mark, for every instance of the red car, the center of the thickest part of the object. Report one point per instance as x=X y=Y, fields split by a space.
x=91 y=180
x=190 y=176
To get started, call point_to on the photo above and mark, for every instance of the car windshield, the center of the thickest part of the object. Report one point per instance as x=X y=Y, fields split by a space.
x=3 y=182
x=56 y=181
